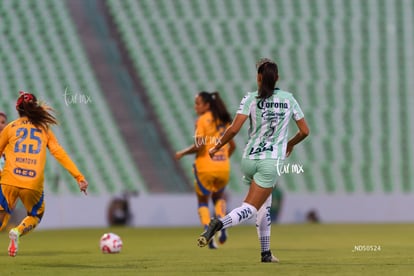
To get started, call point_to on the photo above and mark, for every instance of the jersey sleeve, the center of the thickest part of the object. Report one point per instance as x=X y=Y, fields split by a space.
x=4 y=139
x=297 y=113
x=244 y=107
x=62 y=157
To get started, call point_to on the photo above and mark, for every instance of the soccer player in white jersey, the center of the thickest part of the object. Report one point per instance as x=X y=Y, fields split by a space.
x=269 y=111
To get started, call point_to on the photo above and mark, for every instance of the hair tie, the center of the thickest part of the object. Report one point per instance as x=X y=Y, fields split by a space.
x=24 y=97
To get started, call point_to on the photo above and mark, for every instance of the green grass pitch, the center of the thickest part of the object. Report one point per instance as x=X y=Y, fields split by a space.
x=305 y=249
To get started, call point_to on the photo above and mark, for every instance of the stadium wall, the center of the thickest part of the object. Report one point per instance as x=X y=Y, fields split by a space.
x=180 y=210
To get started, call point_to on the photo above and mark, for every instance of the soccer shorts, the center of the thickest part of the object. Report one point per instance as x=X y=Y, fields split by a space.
x=31 y=199
x=206 y=183
x=263 y=171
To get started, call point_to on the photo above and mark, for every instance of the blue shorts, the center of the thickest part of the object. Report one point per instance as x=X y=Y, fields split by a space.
x=263 y=171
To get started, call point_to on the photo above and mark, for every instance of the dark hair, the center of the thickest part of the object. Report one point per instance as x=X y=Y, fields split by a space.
x=269 y=71
x=39 y=114
x=217 y=106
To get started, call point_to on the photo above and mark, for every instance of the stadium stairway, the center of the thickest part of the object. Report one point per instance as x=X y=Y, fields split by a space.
x=126 y=99
x=41 y=53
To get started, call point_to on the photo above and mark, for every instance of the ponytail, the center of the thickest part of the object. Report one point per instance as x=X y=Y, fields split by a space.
x=217 y=107
x=40 y=115
x=270 y=74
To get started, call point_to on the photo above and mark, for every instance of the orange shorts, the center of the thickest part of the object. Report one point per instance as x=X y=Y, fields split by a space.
x=206 y=183
x=31 y=199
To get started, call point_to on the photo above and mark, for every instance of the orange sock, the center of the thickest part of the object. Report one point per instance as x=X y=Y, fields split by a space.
x=220 y=208
x=204 y=214
x=28 y=224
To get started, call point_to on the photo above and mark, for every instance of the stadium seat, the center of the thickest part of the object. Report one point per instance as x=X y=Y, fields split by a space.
x=47 y=63
x=337 y=68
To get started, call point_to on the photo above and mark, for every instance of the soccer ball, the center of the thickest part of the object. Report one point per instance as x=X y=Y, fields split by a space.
x=110 y=243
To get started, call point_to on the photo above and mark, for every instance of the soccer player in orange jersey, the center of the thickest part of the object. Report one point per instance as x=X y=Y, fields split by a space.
x=211 y=174
x=24 y=142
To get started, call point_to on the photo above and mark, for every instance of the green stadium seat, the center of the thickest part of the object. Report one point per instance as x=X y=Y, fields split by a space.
x=46 y=63
x=329 y=61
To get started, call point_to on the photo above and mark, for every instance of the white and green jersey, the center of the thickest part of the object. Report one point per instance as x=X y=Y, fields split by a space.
x=269 y=120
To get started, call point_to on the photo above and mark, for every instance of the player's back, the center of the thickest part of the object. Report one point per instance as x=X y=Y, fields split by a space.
x=24 y=146
x=268 y=131
x=210 y=132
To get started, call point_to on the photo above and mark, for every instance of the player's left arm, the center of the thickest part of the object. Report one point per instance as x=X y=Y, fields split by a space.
x=303 y=129
x=63 y=158
x=303 y=132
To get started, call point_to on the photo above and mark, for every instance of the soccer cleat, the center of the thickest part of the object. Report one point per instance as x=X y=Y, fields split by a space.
x=14 y=242
x=268 y=257
x=205 y=237
x=222 y=236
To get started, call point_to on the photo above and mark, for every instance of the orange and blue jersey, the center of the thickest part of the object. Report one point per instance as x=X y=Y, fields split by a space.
x=24 y=146
x=208 y=133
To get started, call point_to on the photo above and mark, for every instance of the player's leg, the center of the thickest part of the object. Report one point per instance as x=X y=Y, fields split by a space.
x=255 y=197
x=221 y=179
x=203 y=184
x=220 y=210
x=8 y=199
x=267 y=176
x=201 y=187
x=263 y=227
x=34 y=203
x=260 y=189
x=217 y=224
x=35 y=206
x=219 y=203
x=219 y=200
x=4 y=218
x=203 y=210
x=261 y=184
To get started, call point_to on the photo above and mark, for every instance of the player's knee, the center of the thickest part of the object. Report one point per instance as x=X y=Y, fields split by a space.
x=39 y=216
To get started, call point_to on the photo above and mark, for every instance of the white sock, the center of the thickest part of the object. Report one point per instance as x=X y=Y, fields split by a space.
x=264 y=224
x=239 y=215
